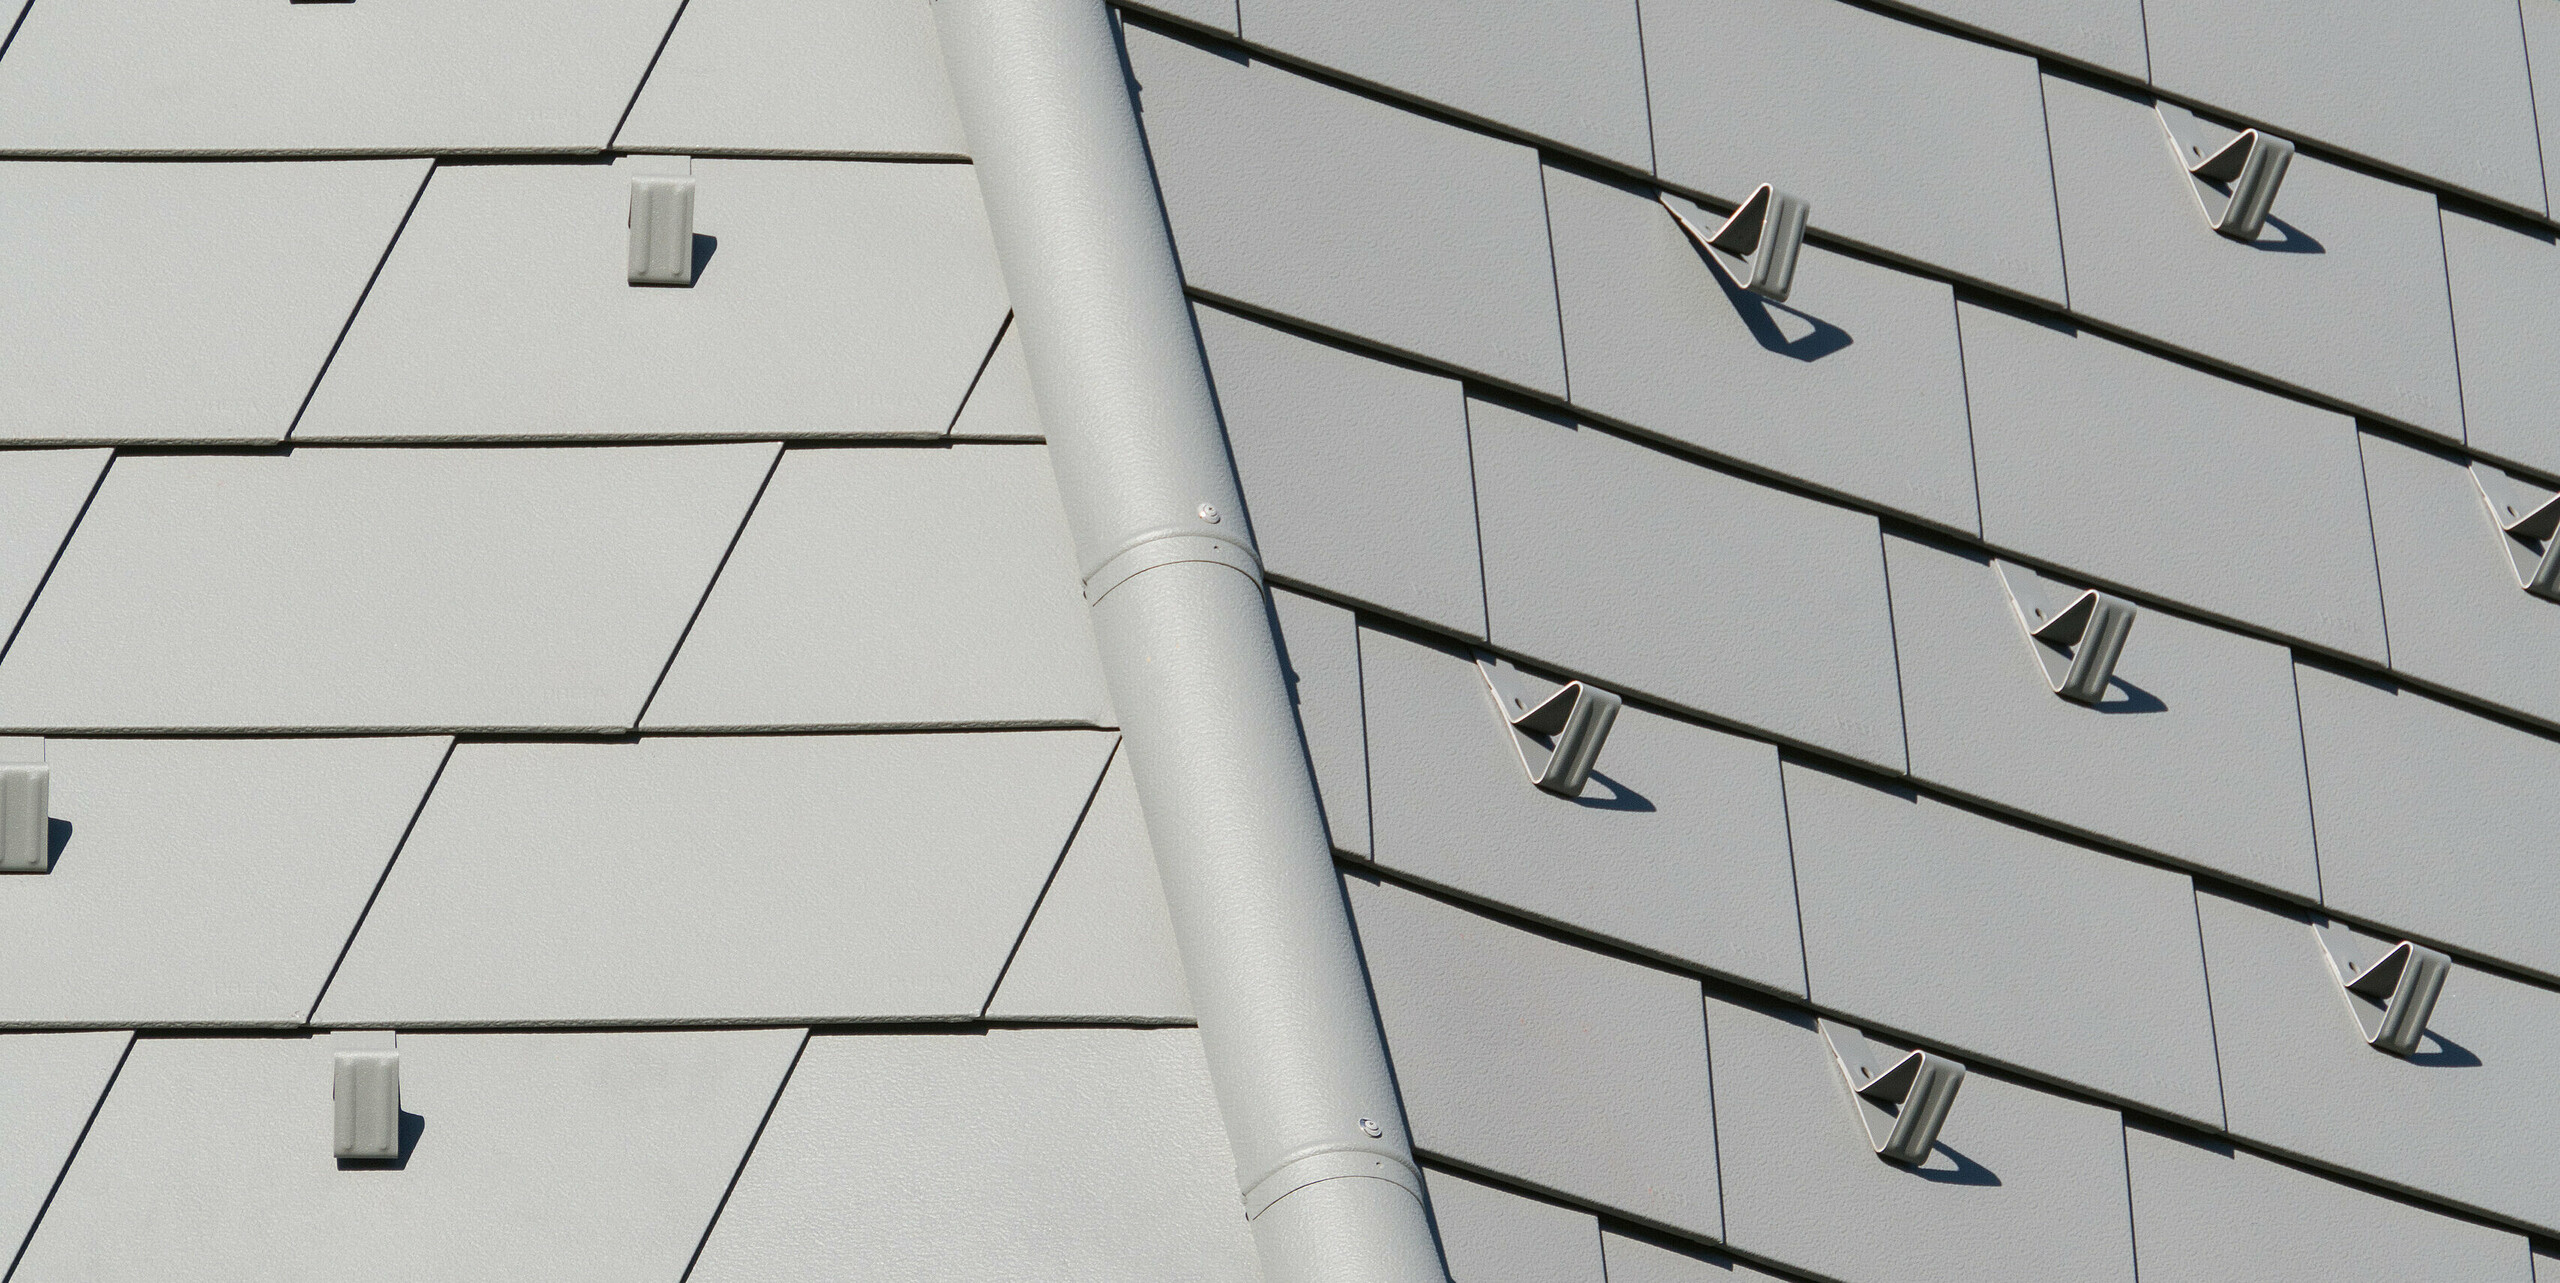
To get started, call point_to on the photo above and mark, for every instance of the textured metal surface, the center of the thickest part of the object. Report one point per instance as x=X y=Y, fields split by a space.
x=1721 y=595
x=1479 y=391
x=582 y=1157
x=1572 y=76
x=1859 y=389
x=1083 y=1154
x=1187 y=646
x=2022 y=1184
x=1927 y=143
x=2341 y=295
x=1351 y=214
x=798 y=325
x=2194 y=753
x=880 y=877
x=187 y=301
x=379 y=589
x=545 y=76
x=2111 y=994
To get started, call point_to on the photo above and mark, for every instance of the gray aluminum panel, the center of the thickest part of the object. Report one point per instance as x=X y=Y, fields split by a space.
x=49 y=1086
x=590 y=1156
x=182 y=302
x=204 y=881
x=1855 y=386
x=1000 y=406
x=703 y=879
x=2204 y=1212
x=799 y=76
x=1072 y=1154
x=1491 y=1235
x=2465 y=1120
x=1658 y=576
x=2194 y=753
x=1636 y=1260
x=2438 y=89
x=1320 y=652
x=2457 y=616
x=47 y=490
x=1559 y=1067
x=2169 y=480
x=2102 y=33
x=1288 y=194
x=378 y=589
x=1678 y=846
x=2067 y=961
x=2506 y=309
x=1912 y=141
x=2023 y=1186
x=1356 y=471
x=1572 y=74
x=2341 y=245
x=2542 y=31
x=1100 y=947
x=175 y=75
x=1220 y=14
x=2431 y=818
x=895 y=587
x=842 y=298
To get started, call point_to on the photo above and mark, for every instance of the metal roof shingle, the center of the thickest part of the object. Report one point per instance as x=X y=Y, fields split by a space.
x=378 y=589
x=206 y=882
x=700 y=879
x=831 y=299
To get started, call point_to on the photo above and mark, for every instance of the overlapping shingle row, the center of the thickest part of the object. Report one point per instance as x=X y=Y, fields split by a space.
x=1465 y=356
x=413 y=724
x=432 y=631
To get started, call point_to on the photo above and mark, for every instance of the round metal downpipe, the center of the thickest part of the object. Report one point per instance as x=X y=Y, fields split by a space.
x=1325 y=1167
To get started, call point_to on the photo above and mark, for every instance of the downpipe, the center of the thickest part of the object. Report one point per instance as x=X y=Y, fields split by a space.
x=1324 y=1165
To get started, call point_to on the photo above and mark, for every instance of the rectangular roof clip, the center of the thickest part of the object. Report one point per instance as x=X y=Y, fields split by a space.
x=2076 y=638
x=2391 y=989
x=2527 y=515
x=364 y=1091
x=1756 y=247
x=2235 y=173
x=1902 y=1106
x=1559 y=737
x=26 y=806
x=661 y=219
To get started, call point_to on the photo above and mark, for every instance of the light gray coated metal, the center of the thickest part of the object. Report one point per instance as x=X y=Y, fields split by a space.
x=1903 y=1105
x=2527 y=515
x=2392 y=990
x=2076 y=641
x=365 y=1093
x=1559 y=737
x=661 y=220
x=1758 y=244
x=1186 y=640
x=26 y=807
x=2235 y=172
